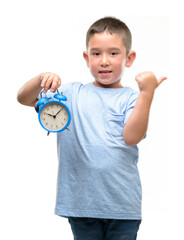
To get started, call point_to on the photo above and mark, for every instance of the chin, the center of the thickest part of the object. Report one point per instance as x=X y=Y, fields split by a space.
x=108 y=84
x=105 y=82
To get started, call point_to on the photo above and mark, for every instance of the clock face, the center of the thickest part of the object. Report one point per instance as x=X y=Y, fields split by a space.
x=54 y=116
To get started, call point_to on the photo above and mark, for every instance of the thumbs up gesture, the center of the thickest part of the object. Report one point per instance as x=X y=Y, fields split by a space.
x=148 y=82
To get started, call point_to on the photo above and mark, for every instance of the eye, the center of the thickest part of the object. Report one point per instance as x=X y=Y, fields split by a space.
x=95 y=53
x=114 y=53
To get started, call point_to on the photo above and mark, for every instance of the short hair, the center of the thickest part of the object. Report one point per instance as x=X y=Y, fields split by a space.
x=112 y=25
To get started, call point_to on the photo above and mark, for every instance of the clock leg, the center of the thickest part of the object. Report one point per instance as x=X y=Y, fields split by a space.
x=48 y=133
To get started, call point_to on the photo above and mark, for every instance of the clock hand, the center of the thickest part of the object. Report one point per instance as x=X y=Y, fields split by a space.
x=54 y=116
x=50 y=114
x=58 y=112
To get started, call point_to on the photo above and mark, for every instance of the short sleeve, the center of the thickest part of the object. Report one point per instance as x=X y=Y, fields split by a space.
x=130 y=105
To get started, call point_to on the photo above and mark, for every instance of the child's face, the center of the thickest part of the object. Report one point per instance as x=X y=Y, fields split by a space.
x=107 y=58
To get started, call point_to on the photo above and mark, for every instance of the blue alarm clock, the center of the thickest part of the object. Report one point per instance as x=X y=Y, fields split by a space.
x=53 y=114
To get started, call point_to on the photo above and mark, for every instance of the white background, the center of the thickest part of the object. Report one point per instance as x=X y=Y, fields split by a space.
x=42 y=35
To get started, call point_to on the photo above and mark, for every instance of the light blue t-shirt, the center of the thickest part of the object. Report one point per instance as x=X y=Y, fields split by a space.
x=97 y=175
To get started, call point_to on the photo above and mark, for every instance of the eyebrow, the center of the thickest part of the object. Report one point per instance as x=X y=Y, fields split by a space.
x=112 y=48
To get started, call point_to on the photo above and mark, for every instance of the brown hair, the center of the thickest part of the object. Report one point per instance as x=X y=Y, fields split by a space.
x=112 y=25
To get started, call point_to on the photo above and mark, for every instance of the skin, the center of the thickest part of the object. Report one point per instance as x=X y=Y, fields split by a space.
x=106 y=58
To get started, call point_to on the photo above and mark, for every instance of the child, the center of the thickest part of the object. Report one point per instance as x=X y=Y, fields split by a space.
x=99 y=188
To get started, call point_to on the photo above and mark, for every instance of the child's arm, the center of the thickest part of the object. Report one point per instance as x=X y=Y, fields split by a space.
x=136 y=126
x=28 y=93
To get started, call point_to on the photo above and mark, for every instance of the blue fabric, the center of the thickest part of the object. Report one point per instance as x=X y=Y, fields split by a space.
x=104 y=229
x=97 y=175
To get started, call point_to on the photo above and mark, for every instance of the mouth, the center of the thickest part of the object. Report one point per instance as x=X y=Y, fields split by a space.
x=105 y=72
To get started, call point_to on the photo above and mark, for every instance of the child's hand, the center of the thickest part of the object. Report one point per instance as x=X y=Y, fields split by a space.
x=50 y=80
x=148 y=82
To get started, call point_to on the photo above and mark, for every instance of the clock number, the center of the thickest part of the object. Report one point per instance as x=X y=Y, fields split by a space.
x=54 y=117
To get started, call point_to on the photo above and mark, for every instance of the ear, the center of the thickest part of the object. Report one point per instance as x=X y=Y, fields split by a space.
x=86 y=57
x=130 y=58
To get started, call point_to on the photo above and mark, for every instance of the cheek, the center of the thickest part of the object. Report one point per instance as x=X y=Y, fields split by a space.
x=93 y=65
x=92 y=68
x=93 y=71
x=122 y=65
x=119 y=67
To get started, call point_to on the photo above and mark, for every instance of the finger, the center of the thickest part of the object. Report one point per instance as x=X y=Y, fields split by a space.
x=54 y=85
x=59 y=82
x=48 y=83
x=161 y=79
x=44 y=79
x=43 y=83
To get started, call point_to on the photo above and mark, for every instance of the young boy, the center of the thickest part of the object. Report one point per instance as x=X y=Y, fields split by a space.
x=99 y=188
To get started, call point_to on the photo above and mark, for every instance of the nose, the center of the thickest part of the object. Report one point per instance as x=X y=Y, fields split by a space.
x=104 y=60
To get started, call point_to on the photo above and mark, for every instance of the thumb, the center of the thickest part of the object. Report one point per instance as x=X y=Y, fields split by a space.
x=161 y=79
